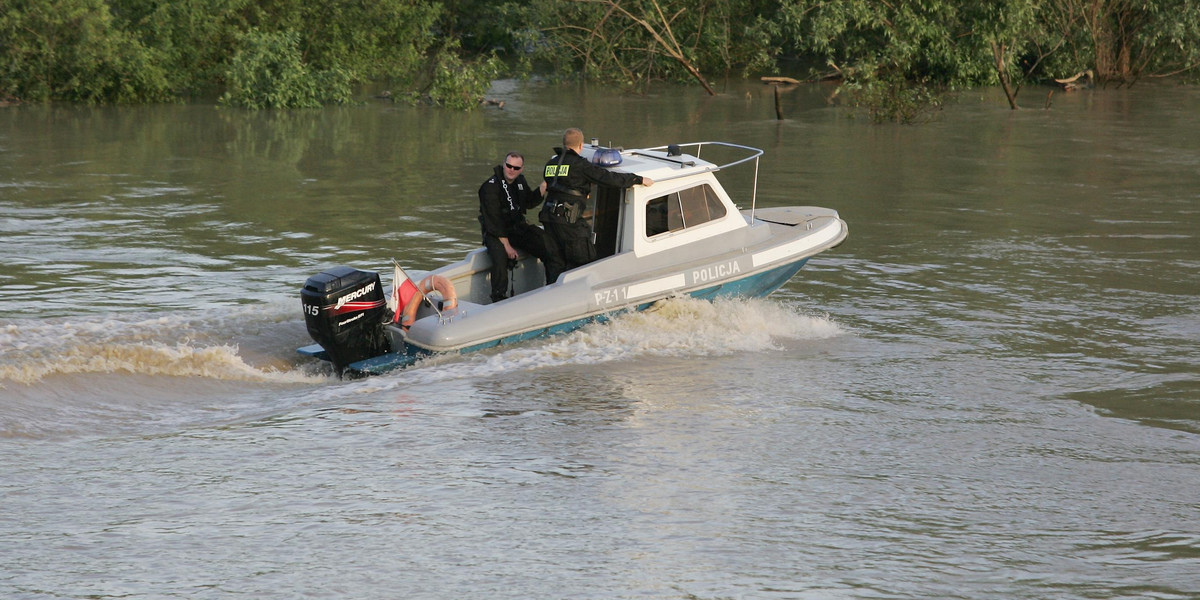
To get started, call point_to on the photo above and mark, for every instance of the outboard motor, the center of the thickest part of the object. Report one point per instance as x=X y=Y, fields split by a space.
x=345 y=309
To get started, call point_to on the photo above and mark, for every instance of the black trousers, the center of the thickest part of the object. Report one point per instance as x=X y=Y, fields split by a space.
x=575 y=242
x=532 y=240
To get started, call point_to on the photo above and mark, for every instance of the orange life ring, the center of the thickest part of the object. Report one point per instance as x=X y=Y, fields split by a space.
x=427 y=285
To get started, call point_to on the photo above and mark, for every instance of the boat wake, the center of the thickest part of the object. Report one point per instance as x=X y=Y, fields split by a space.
x=219 y=346
x=179 y=360
x=137 y=373
x=691 y=327
x=678 y=327
x=148 y=375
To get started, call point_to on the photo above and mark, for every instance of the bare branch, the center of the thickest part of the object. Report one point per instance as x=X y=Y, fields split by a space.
x=672 y=49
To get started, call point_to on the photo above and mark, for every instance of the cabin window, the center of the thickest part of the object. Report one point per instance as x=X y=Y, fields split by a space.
x=679 y=210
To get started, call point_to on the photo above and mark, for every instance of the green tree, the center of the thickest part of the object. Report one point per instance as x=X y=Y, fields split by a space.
x=73 y=50
x=895 y=57
x=630 y=42
x=196 y=39
x=268 y=72
x=1124 y=40
x=374 y=40
x=266 y=53
x=892 y=55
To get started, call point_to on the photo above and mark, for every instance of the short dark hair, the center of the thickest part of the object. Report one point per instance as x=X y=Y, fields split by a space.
x=514 y=154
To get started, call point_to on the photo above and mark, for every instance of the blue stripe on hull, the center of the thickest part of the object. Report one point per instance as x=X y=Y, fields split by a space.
x=753 y=286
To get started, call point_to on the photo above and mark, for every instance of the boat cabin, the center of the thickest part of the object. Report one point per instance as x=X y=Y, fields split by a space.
x=685 y=204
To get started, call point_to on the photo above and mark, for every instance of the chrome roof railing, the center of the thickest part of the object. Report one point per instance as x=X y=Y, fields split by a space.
x=753 y=155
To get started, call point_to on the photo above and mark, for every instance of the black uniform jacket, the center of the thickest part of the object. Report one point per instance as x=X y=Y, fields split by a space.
x=502 y=205
x=576 y=174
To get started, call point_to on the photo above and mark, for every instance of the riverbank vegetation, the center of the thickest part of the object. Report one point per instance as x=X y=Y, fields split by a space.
x=294 y=53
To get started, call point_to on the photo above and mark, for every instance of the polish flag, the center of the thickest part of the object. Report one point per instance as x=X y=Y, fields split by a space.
x=403 y=289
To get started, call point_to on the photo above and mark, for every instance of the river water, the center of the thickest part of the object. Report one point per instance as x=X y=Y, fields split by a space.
x=991 y=390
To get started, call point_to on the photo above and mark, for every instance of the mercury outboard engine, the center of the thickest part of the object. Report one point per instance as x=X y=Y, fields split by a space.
x=345 y=310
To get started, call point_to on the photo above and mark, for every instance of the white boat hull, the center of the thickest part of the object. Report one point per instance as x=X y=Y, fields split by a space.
x=681 y=237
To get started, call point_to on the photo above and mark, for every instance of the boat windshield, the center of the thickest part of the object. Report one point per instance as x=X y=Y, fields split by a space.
x=682 y=209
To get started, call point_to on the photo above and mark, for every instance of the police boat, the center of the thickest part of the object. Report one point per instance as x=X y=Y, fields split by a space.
x=682 y=236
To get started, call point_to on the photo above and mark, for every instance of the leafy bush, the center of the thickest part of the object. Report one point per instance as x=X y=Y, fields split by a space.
x=460 y=84
x=72 y=50
x=267 y=71
x=895 y=99
x=281 y=53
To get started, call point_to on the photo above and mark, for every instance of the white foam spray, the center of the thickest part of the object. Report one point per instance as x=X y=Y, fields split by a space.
x=676 y=327
x=194 y=344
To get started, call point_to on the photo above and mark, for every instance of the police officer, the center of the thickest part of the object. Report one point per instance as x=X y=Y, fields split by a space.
x=503 y=199
x=568 y=180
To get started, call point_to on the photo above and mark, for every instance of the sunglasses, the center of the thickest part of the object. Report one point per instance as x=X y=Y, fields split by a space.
x=512 y=167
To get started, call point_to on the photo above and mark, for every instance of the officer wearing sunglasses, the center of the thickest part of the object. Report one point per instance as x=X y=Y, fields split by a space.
x=503 y=200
